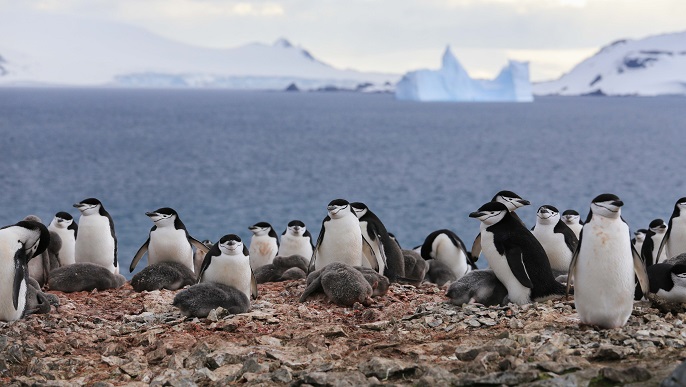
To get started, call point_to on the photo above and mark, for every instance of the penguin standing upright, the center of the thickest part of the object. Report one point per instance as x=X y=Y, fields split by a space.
x=556 y=237
x=18 y=244
x=515 y=255
x=97 y=242
x=385 y=250
x=573 y=220
x=674 y=241
x=512 y=201
x=64 y=225
x=228 y=263
x=603 y=266
x=446 y=247
x=296 y=240
x=639 y=238
x=651 y=244
x=340 y=238
x=168 y=241
x=264 y=244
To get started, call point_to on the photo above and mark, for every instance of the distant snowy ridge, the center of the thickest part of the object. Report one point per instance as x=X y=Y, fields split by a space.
x=61 y=50
x=652 y=66
x=452 y=83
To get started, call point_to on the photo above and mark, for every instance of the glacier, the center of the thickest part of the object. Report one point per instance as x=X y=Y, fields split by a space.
x=452 y=83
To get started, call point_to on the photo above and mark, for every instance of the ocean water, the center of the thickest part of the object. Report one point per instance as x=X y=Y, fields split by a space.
x=226 y=160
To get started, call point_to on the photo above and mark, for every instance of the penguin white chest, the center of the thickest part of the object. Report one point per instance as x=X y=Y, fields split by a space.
x=8 y=248
x=168 y=244
x=342 y=242
x=604 y=274
x=677 y=238
x=263 y=249
x=94 y=242
x=294 y=245
x=448 y=253
x=231 y=270
x=559 y=255
x=657 y=241
x=516 y=292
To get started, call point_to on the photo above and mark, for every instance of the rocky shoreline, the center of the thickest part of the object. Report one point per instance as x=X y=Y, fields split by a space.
x=410 y=336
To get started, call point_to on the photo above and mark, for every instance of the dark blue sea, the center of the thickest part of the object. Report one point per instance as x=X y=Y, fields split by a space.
x=226 y=160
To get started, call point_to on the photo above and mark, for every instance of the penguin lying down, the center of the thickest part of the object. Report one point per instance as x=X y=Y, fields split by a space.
x=478 y=286
x=344 y=285
x=282 y=269
x=198 y=300
x=84 y=276
x=163 y=275
x=38 y=302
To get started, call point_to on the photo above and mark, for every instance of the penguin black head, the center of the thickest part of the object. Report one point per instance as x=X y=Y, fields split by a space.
x=260 y=228
x=548 y=214
x=232 y=244
x=89 y=206
x=359 y=209
x=64 y=216
x=640 y=234
x=490 y=213
x=338 y=208
x=571 y=217
x=658 y=226
x=296 y=227
x=607 y=205
x=37 y=240
x=679 y=206
x=679 y=270
x=510 y=199
x=162 y=214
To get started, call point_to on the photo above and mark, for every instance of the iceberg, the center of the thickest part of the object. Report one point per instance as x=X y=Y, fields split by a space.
x=452 y=83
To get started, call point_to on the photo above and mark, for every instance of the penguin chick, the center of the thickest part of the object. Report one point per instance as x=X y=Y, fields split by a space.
x=342 y=284
x=478 y=286
x=267 y=273
x=274 y=271
x=198 y=300
x=416 y=268
x=84 y=276
x=38 y=302
x=379 y=283
x=291 y=261
x=294 y=273
x=163 y=275
x=439 y=273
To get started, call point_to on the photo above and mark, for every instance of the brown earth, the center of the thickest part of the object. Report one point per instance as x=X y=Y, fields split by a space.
x=409 y=336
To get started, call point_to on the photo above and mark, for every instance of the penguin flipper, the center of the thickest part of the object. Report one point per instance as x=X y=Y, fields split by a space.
x=572 y=265
x=476 y=248
x=253 y=285
x=310 y=268
x=640 y=269
x=570 y=238
x=19 y=275
x=139 y=254
x=515 y=259
x=198 y=245
x=314 y=285
x=663 y=243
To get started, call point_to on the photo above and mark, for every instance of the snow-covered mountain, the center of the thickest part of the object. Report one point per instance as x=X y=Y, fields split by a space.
x=61 y=50
x=655 y=65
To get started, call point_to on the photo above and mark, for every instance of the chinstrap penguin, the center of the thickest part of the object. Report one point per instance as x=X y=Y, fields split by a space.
x=64 y=225
x=40 y=266
x=667 y=282
x=674 y=241
x=296 y=240
x=198 y=300
x=385 y=250
x=512 y=201
x=168 y=241
x=446 y=247
x=573 y=220
x=557 y=239
x=19 y=243
x=515 y=255
x=651 y=245
x=264 y=244
x=603 y=266
x=340 y=238
x=639 y=238
x=97 y=241
x=228 y=263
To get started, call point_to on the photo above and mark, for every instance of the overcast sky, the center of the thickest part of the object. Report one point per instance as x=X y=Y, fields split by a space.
x=397 y=35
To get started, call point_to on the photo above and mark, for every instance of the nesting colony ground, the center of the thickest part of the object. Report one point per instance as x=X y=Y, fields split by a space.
x=408 y=337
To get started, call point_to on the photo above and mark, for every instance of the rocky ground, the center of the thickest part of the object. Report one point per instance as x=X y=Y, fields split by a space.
x=408 y=337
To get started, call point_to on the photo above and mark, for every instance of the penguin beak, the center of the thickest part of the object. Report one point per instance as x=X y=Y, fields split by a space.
x=524 y=202
x=618 y=203
x=476 y=214
x=78 y=205
x=330 y=208
x=150 y=214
